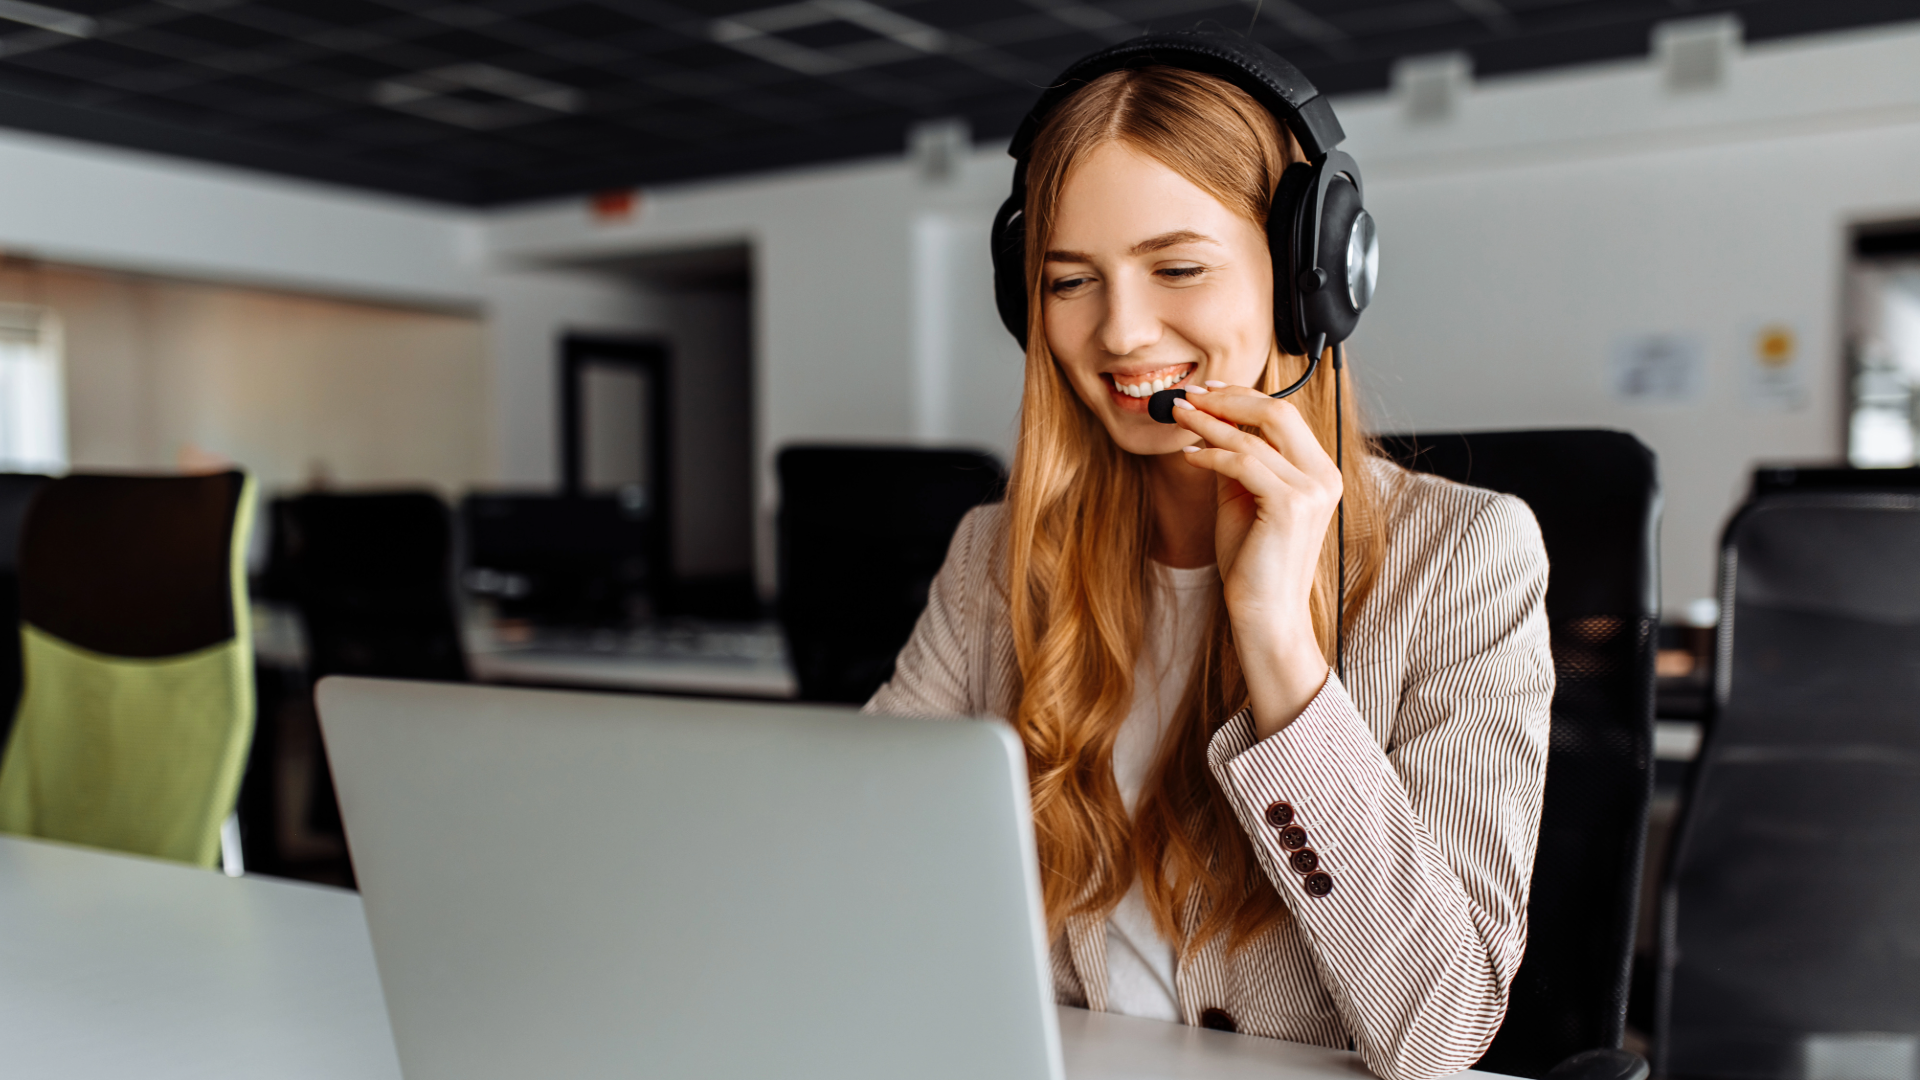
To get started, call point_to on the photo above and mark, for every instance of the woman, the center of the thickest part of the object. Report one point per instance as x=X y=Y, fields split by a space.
x=1229 y=834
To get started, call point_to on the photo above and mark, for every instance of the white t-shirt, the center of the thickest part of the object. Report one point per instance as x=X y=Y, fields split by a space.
x=1140 y=962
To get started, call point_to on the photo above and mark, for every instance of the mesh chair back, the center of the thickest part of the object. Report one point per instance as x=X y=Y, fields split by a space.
x=1790 y=943
x=863 y=531
x=372 y=576
x=138 y=709
x=1596 y=495
x=16 y=494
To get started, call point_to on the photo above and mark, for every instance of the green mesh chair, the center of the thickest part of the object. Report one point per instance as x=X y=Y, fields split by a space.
x=137 y=710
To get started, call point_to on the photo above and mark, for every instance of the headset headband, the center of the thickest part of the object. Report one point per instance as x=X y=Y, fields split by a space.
x=1246 y=64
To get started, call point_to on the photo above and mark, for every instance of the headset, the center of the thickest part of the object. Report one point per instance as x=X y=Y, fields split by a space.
x=1325 y=248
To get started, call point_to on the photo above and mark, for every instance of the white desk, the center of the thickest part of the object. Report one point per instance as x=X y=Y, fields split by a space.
x=747 y=660
x=116 y=967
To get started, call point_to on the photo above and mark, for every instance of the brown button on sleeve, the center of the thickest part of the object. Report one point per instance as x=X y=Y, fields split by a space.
x=1319 y=883
x=1293 y=838
x=1280 y=814
x=1305 y=861
x=1218 y=1020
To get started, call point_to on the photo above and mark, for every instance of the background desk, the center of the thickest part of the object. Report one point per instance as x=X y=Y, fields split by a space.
x=113 y=967
x=730 y=660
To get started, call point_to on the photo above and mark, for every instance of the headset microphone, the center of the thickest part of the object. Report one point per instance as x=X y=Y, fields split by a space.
x=1160 y=405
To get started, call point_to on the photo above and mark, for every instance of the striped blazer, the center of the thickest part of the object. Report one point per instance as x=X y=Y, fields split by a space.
x=1415 y=786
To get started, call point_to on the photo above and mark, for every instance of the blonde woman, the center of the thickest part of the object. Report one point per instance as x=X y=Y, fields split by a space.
x=1230 y=835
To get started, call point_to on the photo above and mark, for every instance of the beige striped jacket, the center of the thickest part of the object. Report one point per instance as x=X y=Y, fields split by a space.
x=1416 y=786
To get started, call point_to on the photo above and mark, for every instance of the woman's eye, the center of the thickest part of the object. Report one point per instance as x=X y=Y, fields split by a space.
x=1068 y=284
x=1181 y=273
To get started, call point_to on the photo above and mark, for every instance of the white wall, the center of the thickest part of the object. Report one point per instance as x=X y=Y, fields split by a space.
x=73 y=202
x=163 y=374
x=1553 y=214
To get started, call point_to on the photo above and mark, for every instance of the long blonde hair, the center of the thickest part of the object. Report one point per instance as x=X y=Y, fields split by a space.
x=1080 y=533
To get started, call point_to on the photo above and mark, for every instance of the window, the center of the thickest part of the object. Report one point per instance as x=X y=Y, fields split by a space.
x=33 y=393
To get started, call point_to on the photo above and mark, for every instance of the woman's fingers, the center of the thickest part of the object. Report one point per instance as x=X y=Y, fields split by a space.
x=1251 y=473
x=1280 y=425
x=1201 y=421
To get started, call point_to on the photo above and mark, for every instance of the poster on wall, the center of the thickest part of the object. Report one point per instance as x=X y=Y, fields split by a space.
x=1774 y=372
x=1657 y=368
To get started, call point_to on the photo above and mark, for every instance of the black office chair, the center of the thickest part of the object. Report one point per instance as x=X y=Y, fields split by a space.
x=372 y=577
x=1790 y=913
x=863 y=531
x=16 y=494
x=1596 y=495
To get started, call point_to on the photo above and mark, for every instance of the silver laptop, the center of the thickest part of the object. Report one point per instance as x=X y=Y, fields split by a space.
x=573 y=885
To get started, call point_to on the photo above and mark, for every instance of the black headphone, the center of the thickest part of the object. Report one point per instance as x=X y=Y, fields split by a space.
x=1326 y=254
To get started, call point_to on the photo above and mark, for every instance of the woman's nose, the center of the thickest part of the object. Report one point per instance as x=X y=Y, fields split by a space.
x=1131 y=323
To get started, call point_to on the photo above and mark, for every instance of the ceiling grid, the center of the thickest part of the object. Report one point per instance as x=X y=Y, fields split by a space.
x=504 y=100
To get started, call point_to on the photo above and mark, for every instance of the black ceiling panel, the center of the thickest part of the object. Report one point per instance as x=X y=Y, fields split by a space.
x=504 y=100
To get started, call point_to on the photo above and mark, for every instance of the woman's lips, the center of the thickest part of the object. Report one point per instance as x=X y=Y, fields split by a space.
x=1131 y=391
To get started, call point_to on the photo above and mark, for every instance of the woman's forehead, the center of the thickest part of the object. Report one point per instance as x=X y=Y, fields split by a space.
x=1116 y=199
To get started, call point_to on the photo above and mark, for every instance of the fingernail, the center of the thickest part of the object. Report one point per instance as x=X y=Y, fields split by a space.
x=1196 y=389
x=1216 y=384
x=1189 y=449
x=1182 y=403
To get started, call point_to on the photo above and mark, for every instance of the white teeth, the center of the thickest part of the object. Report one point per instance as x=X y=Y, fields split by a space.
x=1151 y=387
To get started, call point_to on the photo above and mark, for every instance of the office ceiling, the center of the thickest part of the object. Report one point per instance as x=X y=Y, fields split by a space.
x=505 y=100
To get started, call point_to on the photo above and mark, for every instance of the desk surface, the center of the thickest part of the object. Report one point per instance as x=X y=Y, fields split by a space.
x=114 y=966
x=747 y=660
x=731 y=659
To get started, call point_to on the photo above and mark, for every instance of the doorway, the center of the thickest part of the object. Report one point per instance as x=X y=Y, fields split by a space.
x=1882 y=319
x=616 y=444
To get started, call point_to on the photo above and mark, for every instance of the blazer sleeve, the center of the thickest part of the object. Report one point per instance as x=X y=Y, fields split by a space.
x=933 y=675
x=1420 y=919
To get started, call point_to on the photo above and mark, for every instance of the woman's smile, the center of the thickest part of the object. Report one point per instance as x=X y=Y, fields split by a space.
x=1131 y=389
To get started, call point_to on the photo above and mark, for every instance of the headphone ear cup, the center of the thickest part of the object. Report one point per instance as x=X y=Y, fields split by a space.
x=1283 y=243
x=1330 y=310
x=1009 y=242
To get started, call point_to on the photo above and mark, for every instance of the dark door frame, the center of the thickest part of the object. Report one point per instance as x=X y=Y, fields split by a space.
x=651 y=356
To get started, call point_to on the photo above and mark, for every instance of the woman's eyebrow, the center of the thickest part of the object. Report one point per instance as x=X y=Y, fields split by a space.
x=1147 y=246
x=1172 y=239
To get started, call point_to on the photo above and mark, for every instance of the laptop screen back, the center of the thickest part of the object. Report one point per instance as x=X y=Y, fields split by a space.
x=566 y=885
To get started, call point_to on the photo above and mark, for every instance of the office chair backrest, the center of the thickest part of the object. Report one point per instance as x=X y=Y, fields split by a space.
x=16 y=494
x=1790 y=915
x=138 y=709
x=372 y=576
x=863 y=530
x=1596 y=495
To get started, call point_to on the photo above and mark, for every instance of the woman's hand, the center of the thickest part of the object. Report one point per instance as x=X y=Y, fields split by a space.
x=1277 y=490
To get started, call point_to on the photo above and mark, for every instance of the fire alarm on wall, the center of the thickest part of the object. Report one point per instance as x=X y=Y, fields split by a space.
x=613 y=207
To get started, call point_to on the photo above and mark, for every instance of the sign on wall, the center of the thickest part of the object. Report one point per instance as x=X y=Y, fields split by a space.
x=1657 y=368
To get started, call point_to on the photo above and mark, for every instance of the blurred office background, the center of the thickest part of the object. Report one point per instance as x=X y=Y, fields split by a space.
x=563 y=281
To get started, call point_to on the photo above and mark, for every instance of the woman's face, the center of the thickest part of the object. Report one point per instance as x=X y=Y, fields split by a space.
x=1150 y=282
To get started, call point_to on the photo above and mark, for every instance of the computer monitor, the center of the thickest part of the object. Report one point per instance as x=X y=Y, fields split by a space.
x=563 y=560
